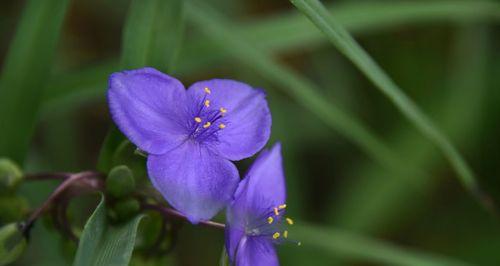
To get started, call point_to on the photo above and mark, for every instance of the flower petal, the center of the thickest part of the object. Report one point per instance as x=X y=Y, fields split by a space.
x=233 y=237
x=194 y=180
x=247 y=120
x=256 y=251
x=263 y=187
x=148 y=107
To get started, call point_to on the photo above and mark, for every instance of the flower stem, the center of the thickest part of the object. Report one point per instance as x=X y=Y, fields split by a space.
x=176 y=214
x=70 y=179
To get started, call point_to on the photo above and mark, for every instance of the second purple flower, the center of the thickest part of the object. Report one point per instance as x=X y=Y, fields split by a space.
x=190 y=135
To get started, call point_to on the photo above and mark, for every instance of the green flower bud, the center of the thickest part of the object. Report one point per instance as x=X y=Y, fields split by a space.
x=14 y=208
x=124 y=210
x=120 y=182
x=127 y=208
x=10 y=175
x=12 y=243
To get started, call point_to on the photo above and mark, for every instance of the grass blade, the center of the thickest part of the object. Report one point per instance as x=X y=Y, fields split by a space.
x=285 y=32
x=152 y=34
x=25 y=72
x=105 y=244
x=360 y=248
x=351 y=49
x=300 y=89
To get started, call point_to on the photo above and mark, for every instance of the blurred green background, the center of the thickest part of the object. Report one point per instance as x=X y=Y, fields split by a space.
x=444 y=54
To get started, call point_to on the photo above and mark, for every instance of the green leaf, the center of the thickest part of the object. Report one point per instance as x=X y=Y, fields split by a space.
x=12 y=243
x=224 y=258
x=25 y=72
x=341 y=39
x=347 y=245
x=152 y=34
x=103 y=243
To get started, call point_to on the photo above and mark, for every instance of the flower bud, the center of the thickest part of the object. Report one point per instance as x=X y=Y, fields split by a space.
x=120 y=182
x=12 y=243
x=10 y=175
x=14 y=208
x=124 y=210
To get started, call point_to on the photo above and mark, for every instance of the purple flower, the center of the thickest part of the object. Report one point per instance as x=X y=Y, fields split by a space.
x=255 y=218
x=190 y=135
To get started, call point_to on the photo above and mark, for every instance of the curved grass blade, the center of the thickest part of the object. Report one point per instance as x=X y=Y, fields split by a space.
x=105 y=244
x=351 y=49
x=25 y=73
x=355 y=247
x=378 y=190
x=302 y=90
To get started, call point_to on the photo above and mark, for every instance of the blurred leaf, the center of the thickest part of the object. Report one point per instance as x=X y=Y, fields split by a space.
x=113 y=140
x=12 y=243
x=340 y=243
x=279 y=33
x=459 y=111
x=26 y=69
x=105 y=244
x=152 y=34
x=351 y=49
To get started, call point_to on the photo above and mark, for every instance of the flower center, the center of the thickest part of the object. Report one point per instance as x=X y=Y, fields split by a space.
x=272 y=223
x=208 y=120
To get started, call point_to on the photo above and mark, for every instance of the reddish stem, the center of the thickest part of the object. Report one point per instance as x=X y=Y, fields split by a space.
x=176 y=214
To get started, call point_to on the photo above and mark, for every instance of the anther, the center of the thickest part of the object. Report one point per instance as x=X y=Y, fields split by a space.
x=207 y=90
x=223 y=110
x=197 y=119
x=289 y=221
x=207 y=124
x=222 y=126
x=276 y=235
x=281 y=207
x=285 y=234
x=270 y=220
x=276 y=212
x=207 y=103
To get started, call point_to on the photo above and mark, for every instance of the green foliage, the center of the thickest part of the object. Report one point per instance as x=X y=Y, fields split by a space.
x=12 y=243
x=354 y=52
x=25 y=72
x=102 y=243
x=364 y=249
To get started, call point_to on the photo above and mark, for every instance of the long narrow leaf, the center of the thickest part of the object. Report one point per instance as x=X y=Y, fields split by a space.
x=336 y=33
x=105 y=244
x=25 y=72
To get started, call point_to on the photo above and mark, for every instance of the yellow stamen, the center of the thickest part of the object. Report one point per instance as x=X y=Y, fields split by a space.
x=207 y=124
x=223 y=110
x=207 y=103
x=197 y=119
x=222 y=126
x=276 y=235
x=285 y=234
x=289 y=221
x=281 y=207
x=207 y=90
x=270 y=220
x=276 y=212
